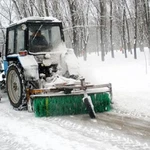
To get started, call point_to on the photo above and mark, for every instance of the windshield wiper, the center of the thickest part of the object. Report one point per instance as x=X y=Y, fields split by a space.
x=37 y=32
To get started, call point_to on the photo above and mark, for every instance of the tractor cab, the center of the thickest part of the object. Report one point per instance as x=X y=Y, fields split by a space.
x=35 y=35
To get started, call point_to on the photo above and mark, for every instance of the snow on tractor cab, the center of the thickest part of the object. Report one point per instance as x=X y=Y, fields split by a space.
x=42 y=75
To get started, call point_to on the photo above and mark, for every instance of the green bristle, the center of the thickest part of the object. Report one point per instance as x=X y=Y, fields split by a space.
x=69 y=104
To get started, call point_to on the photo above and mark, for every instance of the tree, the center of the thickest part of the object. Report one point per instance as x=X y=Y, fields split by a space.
x=6 y=16
x=74 y=24
x=102 y=27
x=46 y=8
x=111 y=28
x=135 y=30
x=124 y=31
x=120 y=24
x=118 y=19
x=7 y=11
x=146 y=20
x=83 y=28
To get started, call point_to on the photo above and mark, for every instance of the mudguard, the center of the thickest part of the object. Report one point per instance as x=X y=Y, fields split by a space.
x=30 y=66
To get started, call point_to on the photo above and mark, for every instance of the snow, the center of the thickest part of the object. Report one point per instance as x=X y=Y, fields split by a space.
x=35 y=18
x=30 y=66
x=130 y=81
x=72 y=62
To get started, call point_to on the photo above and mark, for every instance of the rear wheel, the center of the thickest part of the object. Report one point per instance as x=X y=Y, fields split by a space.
x=16 y=88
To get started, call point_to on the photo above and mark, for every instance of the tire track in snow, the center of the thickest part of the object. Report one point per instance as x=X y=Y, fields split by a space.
x=33 y=131
x=108 y=131
x=8 y=141
x=132 y=114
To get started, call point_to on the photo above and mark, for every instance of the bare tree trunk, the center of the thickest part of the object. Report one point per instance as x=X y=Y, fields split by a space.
x=128 y=35
x=10 y=13
x=17 y=9
x=118 y=10
x=147 y=20
x=97 y=40
x=135 y=31
x=74 y=20
x=24 y=10
x=55 y=8
x=40 y=7
x=31 y=8
x=124 y=32
x=141 y=25
x=46 y=7
x=141 y=41
x=33 y=2
x=111 y=26
x=3 y=32
x=102 y=24
x=85 y=32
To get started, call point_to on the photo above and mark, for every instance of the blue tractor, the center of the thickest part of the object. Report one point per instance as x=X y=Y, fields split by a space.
x=35 y=61
x=34 y=50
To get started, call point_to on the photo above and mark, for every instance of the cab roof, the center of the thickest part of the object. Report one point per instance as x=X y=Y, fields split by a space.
x=35 y=19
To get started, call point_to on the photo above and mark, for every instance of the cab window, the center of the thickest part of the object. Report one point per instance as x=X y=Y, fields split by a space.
x=20 y=44
x=11 y=41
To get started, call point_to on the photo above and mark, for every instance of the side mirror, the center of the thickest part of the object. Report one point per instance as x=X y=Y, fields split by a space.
x=0 y=54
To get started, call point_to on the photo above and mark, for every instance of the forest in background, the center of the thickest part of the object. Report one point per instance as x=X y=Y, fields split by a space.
x=99 y=26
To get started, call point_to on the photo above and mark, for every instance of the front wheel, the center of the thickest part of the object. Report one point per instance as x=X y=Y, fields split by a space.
x=15 y=87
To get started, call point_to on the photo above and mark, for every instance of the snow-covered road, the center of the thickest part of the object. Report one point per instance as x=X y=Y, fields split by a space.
x=22 y=130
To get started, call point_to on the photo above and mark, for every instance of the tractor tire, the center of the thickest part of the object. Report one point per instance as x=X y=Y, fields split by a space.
x=16 y=88
x=89 y=108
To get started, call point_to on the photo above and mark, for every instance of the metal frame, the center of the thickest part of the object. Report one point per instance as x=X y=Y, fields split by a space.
x=77 y=90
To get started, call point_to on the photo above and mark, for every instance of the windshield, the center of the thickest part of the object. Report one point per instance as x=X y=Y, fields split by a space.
x=44 y=38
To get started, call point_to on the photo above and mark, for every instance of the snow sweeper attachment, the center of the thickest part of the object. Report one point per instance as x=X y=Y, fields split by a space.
x=74 y=99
